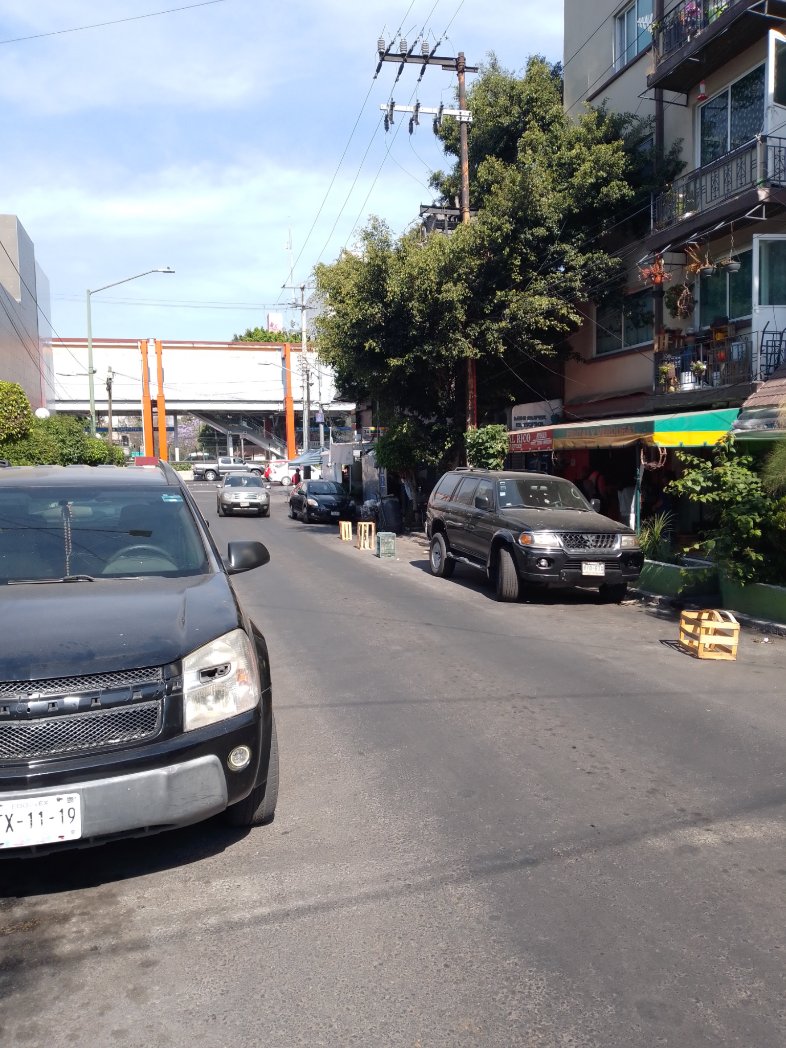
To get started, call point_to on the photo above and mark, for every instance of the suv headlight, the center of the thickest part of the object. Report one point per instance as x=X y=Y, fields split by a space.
x=220 y=680
x=539 y=538
x=312 y=502
x=629 y=541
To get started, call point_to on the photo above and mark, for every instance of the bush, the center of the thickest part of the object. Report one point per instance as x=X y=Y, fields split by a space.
x=60 y=440
x=182 y=467
x=16 y=415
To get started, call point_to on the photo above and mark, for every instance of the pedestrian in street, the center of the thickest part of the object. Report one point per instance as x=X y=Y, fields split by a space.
x=296 y=476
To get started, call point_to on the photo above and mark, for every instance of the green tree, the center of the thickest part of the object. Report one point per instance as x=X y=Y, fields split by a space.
x=259 y=334
x=403 y=315
x=487 y=447
x=16 y=414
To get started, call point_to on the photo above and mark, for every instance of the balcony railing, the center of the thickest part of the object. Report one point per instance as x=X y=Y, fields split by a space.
x=686 y=21
x=760 y=162
x=705 y=364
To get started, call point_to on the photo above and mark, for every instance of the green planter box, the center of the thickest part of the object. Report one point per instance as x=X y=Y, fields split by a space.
x=758 y=600
x=678 y=580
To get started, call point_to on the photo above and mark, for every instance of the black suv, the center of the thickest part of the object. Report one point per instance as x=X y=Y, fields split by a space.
x=528 y=528
x=134 y=691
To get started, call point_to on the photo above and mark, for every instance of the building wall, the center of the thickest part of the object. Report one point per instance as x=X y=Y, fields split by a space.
x=25 y=345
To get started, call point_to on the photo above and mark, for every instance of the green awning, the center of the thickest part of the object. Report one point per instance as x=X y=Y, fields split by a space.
x=693 y=429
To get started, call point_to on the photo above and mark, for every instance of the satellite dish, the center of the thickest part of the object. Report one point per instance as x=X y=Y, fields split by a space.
x=42 y=412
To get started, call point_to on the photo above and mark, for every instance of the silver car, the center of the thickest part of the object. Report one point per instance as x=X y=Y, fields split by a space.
x=243 y=492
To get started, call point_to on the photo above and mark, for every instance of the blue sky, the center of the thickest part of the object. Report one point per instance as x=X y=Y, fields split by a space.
x=206 y=138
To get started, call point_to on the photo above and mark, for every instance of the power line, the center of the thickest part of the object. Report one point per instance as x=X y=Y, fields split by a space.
x=114 y=21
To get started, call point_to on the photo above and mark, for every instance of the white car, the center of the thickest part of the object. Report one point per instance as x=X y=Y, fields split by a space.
x=280 y=472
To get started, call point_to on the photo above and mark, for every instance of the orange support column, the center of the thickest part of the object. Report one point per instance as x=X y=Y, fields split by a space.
x=147 y=407
x=289 y=407
x=161 y=403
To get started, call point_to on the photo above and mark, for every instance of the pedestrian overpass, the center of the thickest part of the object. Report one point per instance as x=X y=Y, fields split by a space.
x=238 y=388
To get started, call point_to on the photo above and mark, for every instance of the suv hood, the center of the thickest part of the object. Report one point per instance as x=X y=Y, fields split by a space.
x=70 y=628
x=563 y=520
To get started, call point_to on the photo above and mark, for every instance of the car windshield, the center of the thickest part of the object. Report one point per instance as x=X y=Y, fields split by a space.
x=540 y=493
x=325 y=487
x=51 y=533
x=240 y=480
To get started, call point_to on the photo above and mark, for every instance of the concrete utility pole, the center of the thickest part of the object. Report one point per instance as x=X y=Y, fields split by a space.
x=458 y=65
x=109 y=377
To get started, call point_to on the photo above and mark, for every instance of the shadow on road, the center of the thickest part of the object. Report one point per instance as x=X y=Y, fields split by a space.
x=75 y=868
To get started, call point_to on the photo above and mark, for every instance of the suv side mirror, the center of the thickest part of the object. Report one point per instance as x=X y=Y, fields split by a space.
x=243 y=556
x=595 y=503
x=482 y=502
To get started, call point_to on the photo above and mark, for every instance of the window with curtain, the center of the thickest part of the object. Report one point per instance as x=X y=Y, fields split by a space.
x=631 y=31
x=733 y=117
x=617 y=329
x=727 y=294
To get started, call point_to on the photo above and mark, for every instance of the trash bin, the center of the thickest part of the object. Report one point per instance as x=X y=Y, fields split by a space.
x=386 y=544
x=390 y=514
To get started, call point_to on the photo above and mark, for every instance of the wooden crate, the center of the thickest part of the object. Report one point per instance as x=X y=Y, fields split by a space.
x=709 y=634
x=367 y=531
x=345 y=530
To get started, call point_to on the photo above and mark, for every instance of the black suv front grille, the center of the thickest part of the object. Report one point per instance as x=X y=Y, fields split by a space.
x=60 y=716
x=79 y=732
x=581 y=542
x=74 y=685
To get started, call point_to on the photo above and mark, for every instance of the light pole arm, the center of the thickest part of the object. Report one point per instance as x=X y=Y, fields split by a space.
x=125 y=280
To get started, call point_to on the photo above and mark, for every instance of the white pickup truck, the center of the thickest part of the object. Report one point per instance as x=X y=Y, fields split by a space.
x=213 y=469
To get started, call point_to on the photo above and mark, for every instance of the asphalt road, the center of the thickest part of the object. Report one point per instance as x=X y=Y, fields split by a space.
x=536 y=824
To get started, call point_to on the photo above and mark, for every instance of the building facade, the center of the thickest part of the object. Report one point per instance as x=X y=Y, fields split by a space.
x=25 y=331
x=705 y=307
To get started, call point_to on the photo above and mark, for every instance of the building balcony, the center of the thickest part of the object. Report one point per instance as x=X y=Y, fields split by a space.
x=698 y=37
x=705 y=364
x=725 y=190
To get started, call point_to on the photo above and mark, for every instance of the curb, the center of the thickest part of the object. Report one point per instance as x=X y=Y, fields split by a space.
x=774 y=629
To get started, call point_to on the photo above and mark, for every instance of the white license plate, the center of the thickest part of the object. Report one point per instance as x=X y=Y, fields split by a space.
x=40 y=820
x=334 y=513
x=593 y=567
x=244 y=505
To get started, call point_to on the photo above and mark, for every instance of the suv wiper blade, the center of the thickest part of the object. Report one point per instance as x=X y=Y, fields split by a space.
x=49 y=582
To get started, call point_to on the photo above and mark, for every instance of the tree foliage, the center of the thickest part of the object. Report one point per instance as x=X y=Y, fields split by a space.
x=259 y=334
x=16 y=414
x=403 y=314
x=487 y=447
x=740 y=511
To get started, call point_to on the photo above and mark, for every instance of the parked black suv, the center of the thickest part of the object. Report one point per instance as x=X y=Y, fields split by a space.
x=134 y=691
x=528 y=528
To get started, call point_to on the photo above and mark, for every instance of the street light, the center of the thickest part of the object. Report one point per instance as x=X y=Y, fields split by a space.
x=90 y=369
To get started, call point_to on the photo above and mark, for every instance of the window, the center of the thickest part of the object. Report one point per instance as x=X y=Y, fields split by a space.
x=632 y=32
x=466 y=492
x=617 y=329
x=727 y=294
x=733 y=117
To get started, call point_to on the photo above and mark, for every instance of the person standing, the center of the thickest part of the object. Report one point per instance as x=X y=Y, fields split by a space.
x=296 y=476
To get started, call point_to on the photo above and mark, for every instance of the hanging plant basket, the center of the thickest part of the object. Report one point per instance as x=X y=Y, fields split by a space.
x=654 y=274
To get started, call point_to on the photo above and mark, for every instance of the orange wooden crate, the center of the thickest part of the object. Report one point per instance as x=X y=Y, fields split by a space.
x=345 y=530
x=367 y=531
x=710 y=634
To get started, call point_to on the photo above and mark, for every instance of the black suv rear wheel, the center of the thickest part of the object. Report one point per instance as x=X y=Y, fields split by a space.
x=440 y=563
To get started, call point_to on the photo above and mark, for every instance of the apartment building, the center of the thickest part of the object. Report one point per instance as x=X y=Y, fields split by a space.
x=704 y=320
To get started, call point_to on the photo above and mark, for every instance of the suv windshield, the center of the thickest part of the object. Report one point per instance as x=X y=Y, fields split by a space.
x=540 y=493
x=54 y=533
x=240 y=480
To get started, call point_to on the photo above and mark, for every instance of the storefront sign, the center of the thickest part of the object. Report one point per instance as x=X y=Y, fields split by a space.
x=530 y=440
x=537 y=413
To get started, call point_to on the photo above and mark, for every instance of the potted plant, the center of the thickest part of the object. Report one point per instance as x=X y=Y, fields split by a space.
x=730 y=264
x=698 y=367
x=679 y=301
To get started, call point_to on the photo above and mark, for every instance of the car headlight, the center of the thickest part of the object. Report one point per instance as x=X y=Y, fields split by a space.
x=539 y=538
x=629 y=542
x=220 y=680
x=312 y=502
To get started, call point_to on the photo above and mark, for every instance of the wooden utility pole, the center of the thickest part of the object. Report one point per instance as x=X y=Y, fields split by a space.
x=458 y=65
